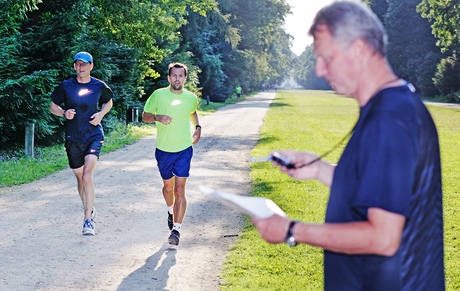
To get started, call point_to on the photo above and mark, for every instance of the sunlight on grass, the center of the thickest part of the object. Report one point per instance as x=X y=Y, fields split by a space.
x=49 y=160
x=316 y=121
x=448 y=123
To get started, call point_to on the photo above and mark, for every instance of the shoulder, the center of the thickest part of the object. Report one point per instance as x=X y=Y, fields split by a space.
x=164 y=90
x=391 y=112
x=187 y=93
x=398 y=102
x=160 y=92
x=96 y=81
x=69 y=81
x=64 y=85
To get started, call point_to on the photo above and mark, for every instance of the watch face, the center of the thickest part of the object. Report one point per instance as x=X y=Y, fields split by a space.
x=291 y=241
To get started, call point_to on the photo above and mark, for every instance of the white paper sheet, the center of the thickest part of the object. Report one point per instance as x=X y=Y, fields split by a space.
x=253 y=206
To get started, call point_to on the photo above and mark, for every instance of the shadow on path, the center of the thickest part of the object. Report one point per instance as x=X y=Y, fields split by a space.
x=155 y=272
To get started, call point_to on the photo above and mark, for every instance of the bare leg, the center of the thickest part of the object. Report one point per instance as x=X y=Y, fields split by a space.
x=85 y=181
x=174 y=194
x=180 y=201
x=168 y=191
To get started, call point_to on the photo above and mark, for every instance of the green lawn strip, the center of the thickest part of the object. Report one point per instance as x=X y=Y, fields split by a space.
x=448 y=123
x=316 y=121
x=51 y=159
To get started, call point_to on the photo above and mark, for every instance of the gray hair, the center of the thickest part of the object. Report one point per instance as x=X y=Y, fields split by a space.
x=350 y=20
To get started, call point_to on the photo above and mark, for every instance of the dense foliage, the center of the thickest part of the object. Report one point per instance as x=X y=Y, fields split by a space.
x=423 y=46
x=304 y=69
x=224 y=43
x=443 y=14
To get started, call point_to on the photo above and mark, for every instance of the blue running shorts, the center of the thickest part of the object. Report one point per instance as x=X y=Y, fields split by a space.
x=174 y=164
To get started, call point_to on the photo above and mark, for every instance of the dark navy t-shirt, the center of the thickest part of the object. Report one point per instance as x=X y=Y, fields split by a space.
x=85 y=98
x=391 y=162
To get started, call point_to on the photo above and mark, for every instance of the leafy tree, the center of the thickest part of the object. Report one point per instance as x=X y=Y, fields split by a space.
x=128 y=39
x=223 y=42
x=19 y=103
x=447 y=78
x=215 y=42
x=445 y=22
x=379 y=7
x=202 y=39
x=258 y=22
x=443 y=15
x=412 y=49
x=304 y=71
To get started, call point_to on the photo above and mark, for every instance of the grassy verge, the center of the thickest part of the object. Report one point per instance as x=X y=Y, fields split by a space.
x=316 y=121
x=448 y=123
x=22 y=169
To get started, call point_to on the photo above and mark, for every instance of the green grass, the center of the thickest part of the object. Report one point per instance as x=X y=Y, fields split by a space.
x=448 y=123
x=316 y=121
x=21 y=169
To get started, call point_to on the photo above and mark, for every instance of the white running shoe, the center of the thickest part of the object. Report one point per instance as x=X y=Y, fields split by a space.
x=88 y=227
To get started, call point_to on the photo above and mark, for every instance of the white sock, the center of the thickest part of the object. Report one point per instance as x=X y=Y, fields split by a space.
x=177 y=226
x=170 y=209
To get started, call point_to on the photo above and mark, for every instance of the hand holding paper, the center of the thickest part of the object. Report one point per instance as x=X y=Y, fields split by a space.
x=254 y=206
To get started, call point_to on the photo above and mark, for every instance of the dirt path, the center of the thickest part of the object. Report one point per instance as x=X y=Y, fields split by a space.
x=440 y=104
x=42 y=248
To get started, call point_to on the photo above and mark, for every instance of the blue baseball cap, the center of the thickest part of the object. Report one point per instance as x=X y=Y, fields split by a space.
x=84 y=57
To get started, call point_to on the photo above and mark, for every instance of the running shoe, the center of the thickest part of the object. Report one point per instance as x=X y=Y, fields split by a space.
x=170 y=221
x=88 y=227
x=174 y=238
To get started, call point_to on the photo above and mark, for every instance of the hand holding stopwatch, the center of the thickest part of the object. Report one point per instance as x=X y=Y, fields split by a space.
x=282 y=160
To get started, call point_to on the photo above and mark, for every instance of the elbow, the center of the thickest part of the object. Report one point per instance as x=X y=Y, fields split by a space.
x=387 y=247
x=389 y=252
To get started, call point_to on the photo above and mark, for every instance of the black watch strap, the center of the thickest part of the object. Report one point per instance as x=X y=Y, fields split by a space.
x=290 y=240
x=197 y=126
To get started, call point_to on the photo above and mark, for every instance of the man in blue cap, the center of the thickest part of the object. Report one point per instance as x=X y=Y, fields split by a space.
x=86 y=100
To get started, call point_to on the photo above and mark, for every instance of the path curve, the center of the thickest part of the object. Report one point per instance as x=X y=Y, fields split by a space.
x=41 y=247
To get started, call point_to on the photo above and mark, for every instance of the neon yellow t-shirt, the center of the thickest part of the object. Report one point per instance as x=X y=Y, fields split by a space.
x=177 y=135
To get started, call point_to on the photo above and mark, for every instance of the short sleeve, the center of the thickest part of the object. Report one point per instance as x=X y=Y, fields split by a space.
x=106 y=95
x=150 y=104
x=58 y=95
x=386 y=167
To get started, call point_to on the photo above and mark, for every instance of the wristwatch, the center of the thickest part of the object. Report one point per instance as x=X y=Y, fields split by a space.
x=290 y=240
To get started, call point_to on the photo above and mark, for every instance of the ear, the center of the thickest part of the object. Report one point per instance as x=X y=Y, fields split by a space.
x=359 y=47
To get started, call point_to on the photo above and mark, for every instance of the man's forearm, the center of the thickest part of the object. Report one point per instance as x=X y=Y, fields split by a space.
x=148 y=117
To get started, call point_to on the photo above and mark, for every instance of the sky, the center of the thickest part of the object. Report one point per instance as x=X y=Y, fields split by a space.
x=298 y=23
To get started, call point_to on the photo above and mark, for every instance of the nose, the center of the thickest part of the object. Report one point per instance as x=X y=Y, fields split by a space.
x=320 y=68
